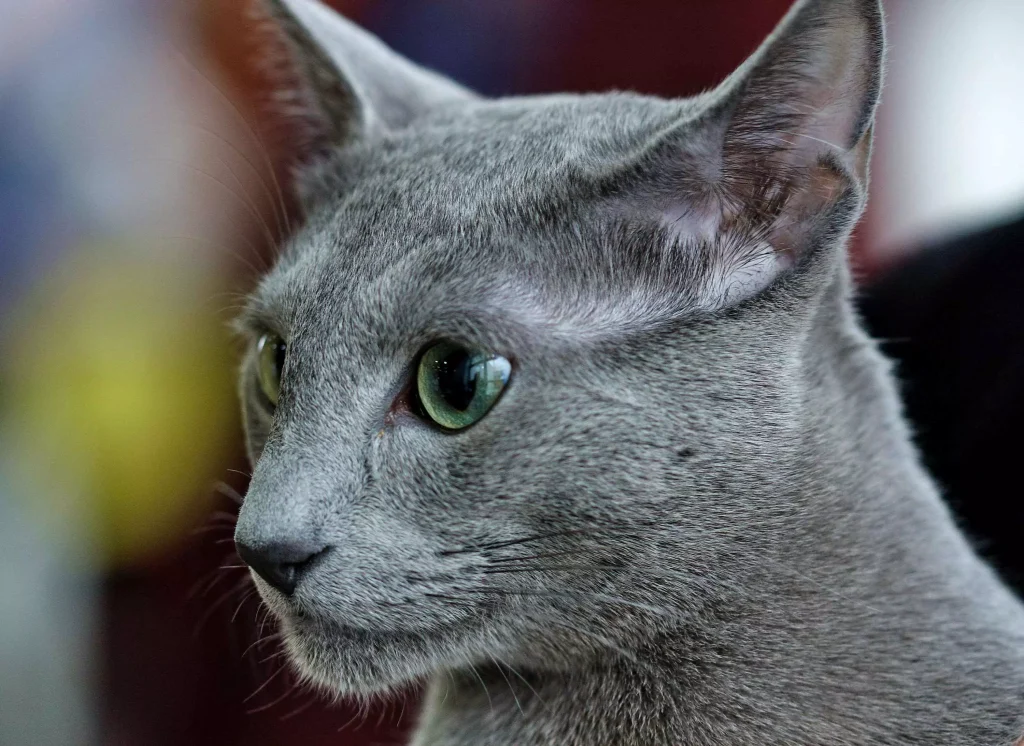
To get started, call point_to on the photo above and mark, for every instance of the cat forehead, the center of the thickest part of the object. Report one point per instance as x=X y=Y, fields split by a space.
x=467 y=187
x=479 y=158
x=483 y=175
x=390 y=282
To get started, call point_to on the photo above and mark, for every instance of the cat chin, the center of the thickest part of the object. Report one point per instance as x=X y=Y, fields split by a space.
x=354 y=662
x=346 y=676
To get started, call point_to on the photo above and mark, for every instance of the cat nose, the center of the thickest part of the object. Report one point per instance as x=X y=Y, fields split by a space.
x=281 y=564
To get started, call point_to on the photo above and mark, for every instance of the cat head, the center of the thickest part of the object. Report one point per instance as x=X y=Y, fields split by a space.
x=535 y=370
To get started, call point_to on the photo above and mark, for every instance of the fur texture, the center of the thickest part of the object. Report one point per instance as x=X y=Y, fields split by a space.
x=695 y=516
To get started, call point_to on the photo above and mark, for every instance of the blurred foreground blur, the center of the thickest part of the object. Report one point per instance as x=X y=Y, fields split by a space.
x=139 y=197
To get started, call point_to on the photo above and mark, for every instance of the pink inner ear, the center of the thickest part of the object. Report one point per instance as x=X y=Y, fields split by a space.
x=842 y=86
x=688 y=224
x=753 y=224
x=810 y=100
x=742 y=262
x=810 y=198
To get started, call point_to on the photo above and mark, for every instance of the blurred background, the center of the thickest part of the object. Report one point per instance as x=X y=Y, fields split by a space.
x=143 y=187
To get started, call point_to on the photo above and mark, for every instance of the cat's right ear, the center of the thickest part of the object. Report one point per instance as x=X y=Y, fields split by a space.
x=350 y=85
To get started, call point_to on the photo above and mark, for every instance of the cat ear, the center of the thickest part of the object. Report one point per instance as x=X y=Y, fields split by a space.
x=350 y=84
x=777 y=163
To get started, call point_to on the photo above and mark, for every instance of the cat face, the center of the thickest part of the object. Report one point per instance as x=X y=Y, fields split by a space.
x=527 y=386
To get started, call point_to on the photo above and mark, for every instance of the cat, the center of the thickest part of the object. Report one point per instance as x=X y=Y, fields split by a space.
x=560 y=404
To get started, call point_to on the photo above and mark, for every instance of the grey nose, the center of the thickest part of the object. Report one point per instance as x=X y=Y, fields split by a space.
x=280 y=564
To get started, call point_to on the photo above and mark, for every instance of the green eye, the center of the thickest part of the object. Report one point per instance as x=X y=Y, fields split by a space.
x=457 y=386
x=270 y=354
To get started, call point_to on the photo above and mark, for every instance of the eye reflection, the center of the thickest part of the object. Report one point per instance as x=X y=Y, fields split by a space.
x=457 y=386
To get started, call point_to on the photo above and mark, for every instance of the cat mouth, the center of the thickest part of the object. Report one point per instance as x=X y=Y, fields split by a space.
x=363 y=661
x=349 y=634
x=391 y=625
x=357 y=621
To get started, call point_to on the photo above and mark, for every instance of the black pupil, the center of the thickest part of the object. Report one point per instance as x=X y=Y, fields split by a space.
x=456 y=379
x=280 y=348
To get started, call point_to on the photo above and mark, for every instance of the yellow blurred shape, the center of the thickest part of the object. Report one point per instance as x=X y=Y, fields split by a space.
x=120 y=403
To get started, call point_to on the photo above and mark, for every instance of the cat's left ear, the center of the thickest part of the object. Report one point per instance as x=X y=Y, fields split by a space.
x=775 y=165
x=350 y=84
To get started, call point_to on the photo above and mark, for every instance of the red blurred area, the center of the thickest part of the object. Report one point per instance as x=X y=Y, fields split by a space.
x=661 y=47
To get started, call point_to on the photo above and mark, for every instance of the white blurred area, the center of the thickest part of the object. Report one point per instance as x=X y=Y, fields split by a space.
x=950 y=149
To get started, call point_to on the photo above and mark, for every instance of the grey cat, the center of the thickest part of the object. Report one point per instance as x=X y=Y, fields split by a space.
x=560 y=403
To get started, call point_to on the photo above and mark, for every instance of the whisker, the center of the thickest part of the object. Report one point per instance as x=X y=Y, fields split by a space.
x=219 y=603
x=604 y=598
x=510 y=687
x=298 y=710
x=449 y=679
x=259 y=642
x=262 y=623
x=241 y=603
x=549 y=568
x=274 y=656
x=380 y=716
x=210 y=528
x=225 y=248
x=277 y=205
x=510 y=543
x=454 y=600
x=361 y=715
x=267 y=234
x=523 y=679
x=261 y=147
x=676 y=575
x=543 y=555
x=401 y=712
x=263 y=686
x=223 y=515
x=487 y=692
x=211 y=578
x=811 y=137
x=228 y=491
x=207 y=583
x=245 y=197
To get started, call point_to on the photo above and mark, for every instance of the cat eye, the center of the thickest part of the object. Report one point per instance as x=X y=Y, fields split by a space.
x=457 y=386
x=270 y=355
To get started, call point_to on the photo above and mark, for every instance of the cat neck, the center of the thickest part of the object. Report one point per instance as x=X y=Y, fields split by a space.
x=810 y=661
x=769 y=679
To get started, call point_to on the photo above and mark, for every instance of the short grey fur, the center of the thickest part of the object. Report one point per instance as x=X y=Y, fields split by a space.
x=695 y=516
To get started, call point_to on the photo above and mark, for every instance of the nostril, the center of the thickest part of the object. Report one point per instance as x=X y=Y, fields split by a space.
x=281 y=564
